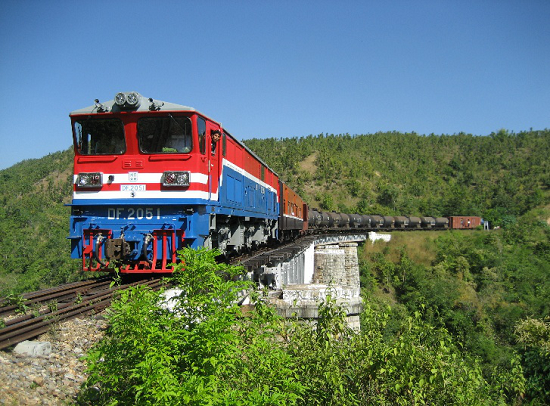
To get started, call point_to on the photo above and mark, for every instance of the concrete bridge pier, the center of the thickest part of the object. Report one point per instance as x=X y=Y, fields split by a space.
x=325 y=268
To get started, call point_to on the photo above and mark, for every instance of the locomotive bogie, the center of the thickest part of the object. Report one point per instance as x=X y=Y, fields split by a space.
x=236 y=234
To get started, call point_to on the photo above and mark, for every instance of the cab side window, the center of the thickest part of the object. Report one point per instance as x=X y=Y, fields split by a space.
x=201 y=125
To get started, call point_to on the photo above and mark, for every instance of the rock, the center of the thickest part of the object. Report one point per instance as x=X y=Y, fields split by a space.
x=33 y=348
x=53 y=379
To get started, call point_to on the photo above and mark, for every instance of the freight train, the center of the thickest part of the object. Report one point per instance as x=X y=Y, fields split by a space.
x=152 y=177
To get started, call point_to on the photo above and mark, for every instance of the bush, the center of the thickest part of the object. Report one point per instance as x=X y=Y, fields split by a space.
x=208 y=352
x=204 y=353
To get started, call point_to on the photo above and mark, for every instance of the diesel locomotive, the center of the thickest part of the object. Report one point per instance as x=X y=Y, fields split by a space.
x=152 y=177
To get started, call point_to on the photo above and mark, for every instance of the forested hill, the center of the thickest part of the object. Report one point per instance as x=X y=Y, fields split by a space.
x=34 y=223
x=499 y=177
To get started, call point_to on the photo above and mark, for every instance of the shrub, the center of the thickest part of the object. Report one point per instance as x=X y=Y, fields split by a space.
x=208 y=352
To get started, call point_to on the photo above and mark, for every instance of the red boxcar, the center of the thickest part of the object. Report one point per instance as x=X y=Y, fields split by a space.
x=293 y=212
x=464 y=222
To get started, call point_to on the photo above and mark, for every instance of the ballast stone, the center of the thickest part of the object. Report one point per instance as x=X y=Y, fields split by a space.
x=34 y=348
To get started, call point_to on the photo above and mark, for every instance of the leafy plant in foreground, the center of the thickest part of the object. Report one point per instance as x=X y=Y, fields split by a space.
x=208 y=351
x=204 y=352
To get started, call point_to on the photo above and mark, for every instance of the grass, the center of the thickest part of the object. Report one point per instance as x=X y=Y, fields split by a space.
x=419 y=245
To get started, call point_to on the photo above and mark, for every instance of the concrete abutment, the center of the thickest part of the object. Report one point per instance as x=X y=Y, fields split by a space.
x=329 y=267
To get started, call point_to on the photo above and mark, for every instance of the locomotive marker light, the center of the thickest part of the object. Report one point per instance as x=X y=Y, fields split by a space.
x=172 y=178
x=89 y=180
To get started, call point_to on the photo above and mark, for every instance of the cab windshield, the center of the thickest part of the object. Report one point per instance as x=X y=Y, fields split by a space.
x=100 y=136
x=165 y=135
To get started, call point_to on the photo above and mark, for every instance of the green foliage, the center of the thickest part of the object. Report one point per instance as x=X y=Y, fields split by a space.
x=534 y=336
x=478 y=287
x=208 y=352
x=204 y=353
x=18 y=301
x=34 y=250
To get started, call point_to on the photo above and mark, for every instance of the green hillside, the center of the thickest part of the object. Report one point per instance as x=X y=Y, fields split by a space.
x=489 y=290
x=34 y=250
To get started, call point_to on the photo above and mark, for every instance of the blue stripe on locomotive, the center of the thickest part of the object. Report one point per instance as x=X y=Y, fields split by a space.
x=244 y=197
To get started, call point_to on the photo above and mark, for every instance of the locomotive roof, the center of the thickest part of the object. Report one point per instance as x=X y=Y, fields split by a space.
x=141 y=104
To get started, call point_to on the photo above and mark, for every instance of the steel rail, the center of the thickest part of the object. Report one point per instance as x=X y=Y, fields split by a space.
x=59 y=293
x=25 y=327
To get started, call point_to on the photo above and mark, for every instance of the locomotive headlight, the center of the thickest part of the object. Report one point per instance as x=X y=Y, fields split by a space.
x=120 y=99
x=127 y=100
x=89 y=180
x=175 y=179
x=132 y=99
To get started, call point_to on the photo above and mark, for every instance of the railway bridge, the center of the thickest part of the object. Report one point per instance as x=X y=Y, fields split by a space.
x=301 y=276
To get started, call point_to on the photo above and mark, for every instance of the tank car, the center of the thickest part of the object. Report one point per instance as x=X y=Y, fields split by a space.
x=355 y=221
x=344 y=220
x=314 y=218
x=427 y=222
x=335 y=219
x=388 y=222
x=326 y=221
x=401 y=222
x=367 y=221
x=151 y=177
x=414 y=222
x=441 y=222
x=376 y=221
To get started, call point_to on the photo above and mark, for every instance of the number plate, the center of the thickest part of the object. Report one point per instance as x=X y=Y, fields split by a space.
x=133 y=188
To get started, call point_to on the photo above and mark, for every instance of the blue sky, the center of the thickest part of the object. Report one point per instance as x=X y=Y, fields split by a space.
x=277 y=68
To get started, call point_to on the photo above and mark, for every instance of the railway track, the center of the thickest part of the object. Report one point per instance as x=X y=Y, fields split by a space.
x=271 y=255
x=266 y=255
x=43 y=308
